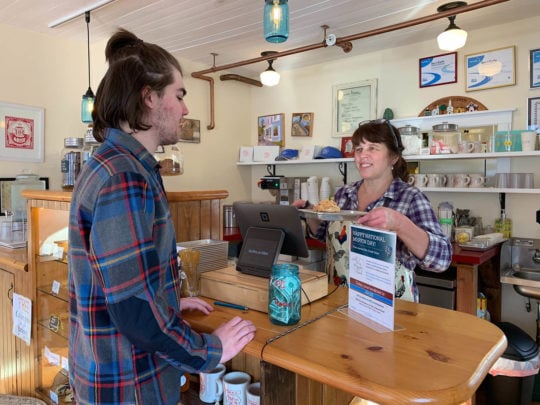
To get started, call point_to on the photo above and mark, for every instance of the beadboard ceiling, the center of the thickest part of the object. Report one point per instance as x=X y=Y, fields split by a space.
x=193 y=29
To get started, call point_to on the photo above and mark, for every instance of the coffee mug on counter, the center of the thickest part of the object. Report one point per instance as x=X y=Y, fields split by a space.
x=211 y=386
x=462 y=180
x=235 y=386
x=254 y=394
x=477 y=180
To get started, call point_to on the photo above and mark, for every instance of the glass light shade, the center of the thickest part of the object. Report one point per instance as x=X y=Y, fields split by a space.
x=269 y=77
x=87 y=106
x=452 y=39
x=276 y=20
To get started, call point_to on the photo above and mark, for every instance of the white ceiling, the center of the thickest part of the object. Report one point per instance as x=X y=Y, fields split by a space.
x=193 y=29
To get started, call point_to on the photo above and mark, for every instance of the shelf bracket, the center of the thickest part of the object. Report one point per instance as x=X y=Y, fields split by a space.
x=271 y=170
x=342 y=166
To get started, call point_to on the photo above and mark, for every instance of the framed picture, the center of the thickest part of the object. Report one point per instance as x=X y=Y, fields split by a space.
x=495 y=68
x=21 y=133
x=352 y=104
x=533 y=113
x=270 y=130
x=5 y=192
x=190 y=131
x=302 y=124
x=534 y=67
x=437 y=70
x=347 y=147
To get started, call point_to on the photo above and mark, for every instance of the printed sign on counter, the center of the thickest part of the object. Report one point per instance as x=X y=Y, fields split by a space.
x=372 y=274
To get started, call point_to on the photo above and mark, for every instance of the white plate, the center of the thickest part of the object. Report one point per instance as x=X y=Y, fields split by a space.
x=343 y=215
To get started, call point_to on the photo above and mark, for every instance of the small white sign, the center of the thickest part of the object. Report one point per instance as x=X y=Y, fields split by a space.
x=372 y=274
x=22 y=317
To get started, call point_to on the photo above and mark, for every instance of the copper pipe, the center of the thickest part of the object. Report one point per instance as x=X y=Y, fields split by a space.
x=210 y=81
x=339 y=41
x=378 y=31
x=242 y=79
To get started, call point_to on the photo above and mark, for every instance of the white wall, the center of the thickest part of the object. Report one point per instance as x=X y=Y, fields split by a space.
x=49 y=72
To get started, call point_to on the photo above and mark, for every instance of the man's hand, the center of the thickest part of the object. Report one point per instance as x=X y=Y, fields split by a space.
x=234 y=335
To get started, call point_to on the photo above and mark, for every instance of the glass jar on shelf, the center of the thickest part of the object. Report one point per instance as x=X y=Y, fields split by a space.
x=71 y=161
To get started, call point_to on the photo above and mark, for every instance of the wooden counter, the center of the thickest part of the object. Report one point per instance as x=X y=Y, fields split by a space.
x=436 y=356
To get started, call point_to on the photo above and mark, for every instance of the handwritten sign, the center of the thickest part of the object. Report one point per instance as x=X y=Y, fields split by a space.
x=22 y=317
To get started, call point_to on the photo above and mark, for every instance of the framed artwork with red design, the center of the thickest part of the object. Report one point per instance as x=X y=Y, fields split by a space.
x=21 y=133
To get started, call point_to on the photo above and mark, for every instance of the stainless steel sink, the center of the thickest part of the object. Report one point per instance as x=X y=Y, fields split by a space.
x=526 y=282
x=532 y=275
x=520 y=266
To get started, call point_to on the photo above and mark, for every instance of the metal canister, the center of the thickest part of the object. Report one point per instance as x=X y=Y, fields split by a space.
x=229 y=219
x=284 y=294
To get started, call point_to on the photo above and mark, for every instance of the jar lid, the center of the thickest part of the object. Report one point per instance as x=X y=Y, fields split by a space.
x=445 y=127
x=408 y=130
x=73 y=142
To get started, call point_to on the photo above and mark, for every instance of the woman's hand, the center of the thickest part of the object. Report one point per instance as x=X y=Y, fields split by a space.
x=195 y=303
x=382 y=218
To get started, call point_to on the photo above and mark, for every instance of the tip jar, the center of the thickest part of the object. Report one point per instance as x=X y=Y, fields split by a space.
x=284 y=294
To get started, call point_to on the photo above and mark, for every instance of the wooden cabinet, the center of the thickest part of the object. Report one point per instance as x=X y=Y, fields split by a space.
x=48 y=214
x=17 y=360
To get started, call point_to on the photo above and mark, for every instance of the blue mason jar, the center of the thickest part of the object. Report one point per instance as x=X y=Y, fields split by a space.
x=284 y=294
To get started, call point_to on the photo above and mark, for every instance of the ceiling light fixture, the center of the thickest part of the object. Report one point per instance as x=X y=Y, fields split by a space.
x=202 y=74
x=276 y=20
x=87 y=104
x=269 y=77
x=453 y=37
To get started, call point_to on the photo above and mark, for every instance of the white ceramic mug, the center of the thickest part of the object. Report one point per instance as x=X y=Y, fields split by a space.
x=477 y=180
x=235 y=386
x=461 y=180
x=254 y=394
x=211 y=386
x=528 y=140
x=420 y=180
x=465 y=147
x=436 y=180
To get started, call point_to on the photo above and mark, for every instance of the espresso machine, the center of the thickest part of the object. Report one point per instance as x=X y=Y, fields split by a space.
x=285 y=189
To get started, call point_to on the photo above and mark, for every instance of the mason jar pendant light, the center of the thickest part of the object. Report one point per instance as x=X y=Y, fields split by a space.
x=276 y=20
x=87 y=104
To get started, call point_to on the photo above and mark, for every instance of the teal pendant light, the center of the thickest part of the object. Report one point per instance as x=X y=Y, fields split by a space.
x=276 y=20
x=87 y=104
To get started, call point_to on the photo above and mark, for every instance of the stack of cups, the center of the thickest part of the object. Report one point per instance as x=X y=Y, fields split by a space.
x=324 y=192
x=313 y=190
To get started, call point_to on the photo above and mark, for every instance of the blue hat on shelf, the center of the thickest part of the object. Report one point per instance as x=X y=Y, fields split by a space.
x=329 y=152
x=288 y=154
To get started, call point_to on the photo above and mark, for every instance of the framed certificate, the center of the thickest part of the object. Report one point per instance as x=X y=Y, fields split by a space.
x=534 y=68
x=437 y=70
x=352 y=104
x=533 y=113
x=495 y=68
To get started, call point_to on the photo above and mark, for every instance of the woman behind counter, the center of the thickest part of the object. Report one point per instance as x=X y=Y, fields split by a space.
x=391 y=204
